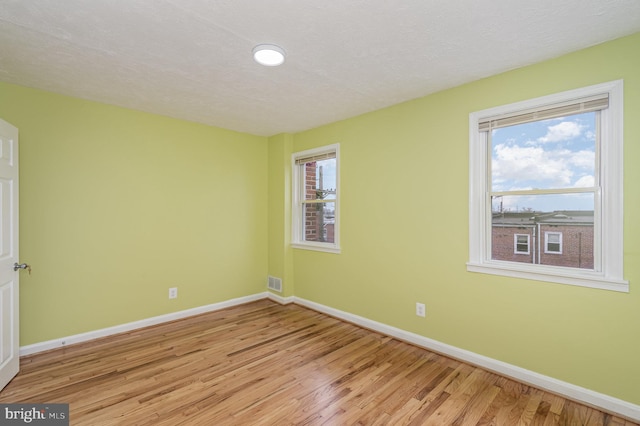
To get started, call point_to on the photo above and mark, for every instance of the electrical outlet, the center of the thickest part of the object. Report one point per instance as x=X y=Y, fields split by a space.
x=421 y=310
x=173 y=292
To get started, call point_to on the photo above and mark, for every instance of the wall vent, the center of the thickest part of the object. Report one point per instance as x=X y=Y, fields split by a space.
x=275 y=284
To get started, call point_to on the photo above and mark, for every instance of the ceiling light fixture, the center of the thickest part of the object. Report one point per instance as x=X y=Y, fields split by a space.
x=268 y=55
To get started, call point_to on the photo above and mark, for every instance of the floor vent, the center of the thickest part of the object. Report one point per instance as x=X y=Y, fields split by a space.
x=275 y=284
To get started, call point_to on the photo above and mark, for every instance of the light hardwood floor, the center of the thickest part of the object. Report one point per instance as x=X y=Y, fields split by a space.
x=267 y=364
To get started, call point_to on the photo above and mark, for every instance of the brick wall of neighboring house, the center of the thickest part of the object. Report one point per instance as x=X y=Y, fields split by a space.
x=313 y=218
x=502 y=243
x=577 y=246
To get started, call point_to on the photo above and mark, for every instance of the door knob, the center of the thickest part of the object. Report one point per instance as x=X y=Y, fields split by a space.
x=17 y=266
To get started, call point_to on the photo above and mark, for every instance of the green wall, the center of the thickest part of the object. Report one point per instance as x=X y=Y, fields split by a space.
x=404 y=233
x=116 y=206
x=279 y=211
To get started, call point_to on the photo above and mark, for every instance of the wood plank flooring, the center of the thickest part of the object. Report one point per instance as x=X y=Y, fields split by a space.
x=267 y=364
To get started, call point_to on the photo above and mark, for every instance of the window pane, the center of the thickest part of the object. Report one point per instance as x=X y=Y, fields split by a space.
x=319 y=222
x=553 y=248
x=560 y=229
x=553 y=238
x=546 y=154
x=522 y=243
x=320 y=180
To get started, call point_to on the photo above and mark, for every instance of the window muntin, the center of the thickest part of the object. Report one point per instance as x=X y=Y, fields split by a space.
x=600 y=194
x=315 y=199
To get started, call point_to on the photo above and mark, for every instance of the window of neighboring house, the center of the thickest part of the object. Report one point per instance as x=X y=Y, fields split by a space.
x=521 y=243
x=556 y=162
x=553 y=242
x=315 y=218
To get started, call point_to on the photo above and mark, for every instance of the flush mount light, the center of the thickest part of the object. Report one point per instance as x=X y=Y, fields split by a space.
x=268 y=55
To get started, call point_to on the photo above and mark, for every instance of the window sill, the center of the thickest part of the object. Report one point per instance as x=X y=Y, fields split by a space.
x=550 y=274
x=327 y=248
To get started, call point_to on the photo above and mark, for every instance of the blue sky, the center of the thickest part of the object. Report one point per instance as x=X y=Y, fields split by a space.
x=548 y=154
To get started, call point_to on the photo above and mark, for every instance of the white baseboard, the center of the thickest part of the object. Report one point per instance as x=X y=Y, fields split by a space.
x=104 y=332
x=568 y=390
x=281 y=300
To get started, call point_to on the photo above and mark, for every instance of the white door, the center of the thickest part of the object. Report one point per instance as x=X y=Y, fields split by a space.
x=9 y=341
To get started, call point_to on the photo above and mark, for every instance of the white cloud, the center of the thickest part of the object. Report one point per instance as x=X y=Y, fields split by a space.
x=517 y=167
x=585 y=182
x=561 y=132
x=518 y=164
x=584 y=159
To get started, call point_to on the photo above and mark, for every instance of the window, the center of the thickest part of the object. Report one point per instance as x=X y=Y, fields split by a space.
x=315 y=218
x=521 y=243
x=553 y=242
x=552 y=168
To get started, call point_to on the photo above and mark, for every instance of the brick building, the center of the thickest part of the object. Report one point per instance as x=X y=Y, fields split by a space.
x=559 y=238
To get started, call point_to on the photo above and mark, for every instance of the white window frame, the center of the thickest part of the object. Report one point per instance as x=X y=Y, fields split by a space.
x=297 y=176
x=546 y=242
x=515 y=244
x=608 y=246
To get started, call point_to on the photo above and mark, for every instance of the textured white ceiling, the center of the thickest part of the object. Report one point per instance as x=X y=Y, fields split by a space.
x=191 y=59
